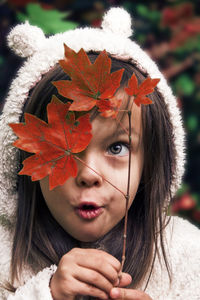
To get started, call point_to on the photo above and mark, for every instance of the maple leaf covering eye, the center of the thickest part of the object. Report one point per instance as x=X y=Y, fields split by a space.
x=54 y=143
x=90 y=84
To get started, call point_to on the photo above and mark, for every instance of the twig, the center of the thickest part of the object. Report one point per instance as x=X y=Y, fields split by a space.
x=82 y=161
x=120 y=123
x=127 y=198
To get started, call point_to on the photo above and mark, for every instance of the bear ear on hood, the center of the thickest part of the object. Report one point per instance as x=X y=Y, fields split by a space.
x=26 y=39
x=117 y=21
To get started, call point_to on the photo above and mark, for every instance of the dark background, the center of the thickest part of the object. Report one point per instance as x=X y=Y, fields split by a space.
x=168 y=30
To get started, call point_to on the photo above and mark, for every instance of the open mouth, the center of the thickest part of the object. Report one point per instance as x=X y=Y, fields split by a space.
x=89 y=211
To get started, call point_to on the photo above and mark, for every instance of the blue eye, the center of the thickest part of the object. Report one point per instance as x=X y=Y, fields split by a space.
x=119 y=149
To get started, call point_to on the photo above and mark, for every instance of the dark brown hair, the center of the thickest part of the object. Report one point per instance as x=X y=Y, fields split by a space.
x=40 y=241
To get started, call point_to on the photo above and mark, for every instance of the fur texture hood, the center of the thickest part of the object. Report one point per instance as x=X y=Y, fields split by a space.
x=41 y=55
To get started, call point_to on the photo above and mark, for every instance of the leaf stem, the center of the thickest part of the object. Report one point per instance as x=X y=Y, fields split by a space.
x=122 y=126
x=82 y=161
x=127 y=198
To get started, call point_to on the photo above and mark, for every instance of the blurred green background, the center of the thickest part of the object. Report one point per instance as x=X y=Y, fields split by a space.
x=170 y=33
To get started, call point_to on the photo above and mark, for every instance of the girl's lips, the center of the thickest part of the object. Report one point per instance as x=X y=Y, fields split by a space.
x=89 y=210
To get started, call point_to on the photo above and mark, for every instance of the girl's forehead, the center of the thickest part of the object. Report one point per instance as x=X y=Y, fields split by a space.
x=120 y=125
x=136 y=113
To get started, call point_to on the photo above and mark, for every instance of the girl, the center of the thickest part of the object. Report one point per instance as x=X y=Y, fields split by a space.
x=62 y=234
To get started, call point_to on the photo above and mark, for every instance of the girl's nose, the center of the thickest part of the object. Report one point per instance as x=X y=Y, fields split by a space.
x=86 y=177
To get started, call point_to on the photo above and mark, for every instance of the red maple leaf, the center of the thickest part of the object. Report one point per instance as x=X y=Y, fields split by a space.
x=109 y=108
x=140 y=92
x=53 y=143
x=90 y=83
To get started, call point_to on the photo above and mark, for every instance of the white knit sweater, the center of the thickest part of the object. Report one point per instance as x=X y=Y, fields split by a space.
x=183 y=248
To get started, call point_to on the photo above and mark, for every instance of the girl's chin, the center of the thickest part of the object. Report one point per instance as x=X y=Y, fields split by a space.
x=88 y=229
x=88 y=237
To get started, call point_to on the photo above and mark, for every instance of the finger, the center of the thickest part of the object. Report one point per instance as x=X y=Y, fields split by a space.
x=81 y=288
x=128 y=294
x=101 y=262
x=89 y=290
x=97 y=256
x=107 y=271
x=125 y=279
x=93 y=278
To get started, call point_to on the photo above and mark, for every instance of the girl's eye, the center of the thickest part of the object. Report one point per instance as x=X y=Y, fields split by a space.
x=119 y=149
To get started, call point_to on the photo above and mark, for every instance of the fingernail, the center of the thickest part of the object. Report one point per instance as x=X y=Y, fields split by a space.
x=115 y=293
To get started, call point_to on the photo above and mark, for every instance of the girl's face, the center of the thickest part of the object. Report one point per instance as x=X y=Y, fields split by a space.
x=87 y=206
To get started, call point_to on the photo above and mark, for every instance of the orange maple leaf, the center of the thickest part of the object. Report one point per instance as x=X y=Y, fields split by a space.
x=53 y=143
x=90 y=83
x=140 y=92
x=109 y=108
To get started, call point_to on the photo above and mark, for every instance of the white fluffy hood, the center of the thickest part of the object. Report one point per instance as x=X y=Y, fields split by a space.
x=42 y=54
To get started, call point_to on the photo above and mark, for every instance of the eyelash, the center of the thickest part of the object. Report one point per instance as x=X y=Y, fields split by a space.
x=122 y=144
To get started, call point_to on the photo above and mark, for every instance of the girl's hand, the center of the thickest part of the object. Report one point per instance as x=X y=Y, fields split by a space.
x=89 y=272
x=128 y=294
